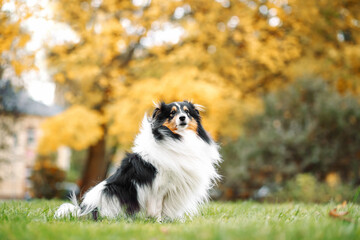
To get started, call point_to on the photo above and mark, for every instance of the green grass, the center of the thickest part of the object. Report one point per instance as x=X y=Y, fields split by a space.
x=241 y=220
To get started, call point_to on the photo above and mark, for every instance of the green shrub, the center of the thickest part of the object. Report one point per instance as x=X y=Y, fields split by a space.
x=306 y=188
x=46 y=178
x=306 y=128
x=77 y=164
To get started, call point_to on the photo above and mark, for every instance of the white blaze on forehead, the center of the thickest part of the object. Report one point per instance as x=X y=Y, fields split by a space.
x=178 y=105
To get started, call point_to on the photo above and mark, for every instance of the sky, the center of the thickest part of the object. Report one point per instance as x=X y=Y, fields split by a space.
x=43 y=30
x=38 y=82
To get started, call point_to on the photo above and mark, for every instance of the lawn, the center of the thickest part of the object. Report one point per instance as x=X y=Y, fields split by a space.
x=241 y=220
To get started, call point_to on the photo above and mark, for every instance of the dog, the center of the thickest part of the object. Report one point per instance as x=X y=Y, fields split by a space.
x=168 y=176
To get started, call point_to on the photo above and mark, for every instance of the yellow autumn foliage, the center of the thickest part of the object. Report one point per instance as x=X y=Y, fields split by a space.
x=220 y=102
x=77 y=127
x=229 y=54
x=13 y=37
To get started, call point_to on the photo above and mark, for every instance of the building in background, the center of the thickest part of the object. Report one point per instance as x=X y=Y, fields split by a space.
x=20 y=120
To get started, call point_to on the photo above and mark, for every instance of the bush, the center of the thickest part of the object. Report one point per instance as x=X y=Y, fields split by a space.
x=306 y=128
x=306 y=188
x=46 y=178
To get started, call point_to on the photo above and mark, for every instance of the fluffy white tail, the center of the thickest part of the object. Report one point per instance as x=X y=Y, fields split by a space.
x=68 y=209
x=91 y=201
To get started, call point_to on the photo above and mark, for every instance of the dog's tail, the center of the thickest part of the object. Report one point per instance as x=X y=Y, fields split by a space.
x=91 y=201
x=69 y=209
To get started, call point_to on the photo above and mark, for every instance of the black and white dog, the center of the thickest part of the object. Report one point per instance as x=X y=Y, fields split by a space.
x=168 y=175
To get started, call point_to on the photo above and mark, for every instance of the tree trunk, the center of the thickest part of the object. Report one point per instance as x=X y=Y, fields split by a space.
x=96 y=165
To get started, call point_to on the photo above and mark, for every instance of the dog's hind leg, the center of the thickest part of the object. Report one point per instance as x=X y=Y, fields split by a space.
x=92 y=199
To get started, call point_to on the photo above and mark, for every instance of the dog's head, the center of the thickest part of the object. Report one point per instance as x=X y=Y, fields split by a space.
x=177 y=116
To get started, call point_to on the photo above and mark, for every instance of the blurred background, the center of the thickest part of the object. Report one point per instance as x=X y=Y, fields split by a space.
x=280 y=81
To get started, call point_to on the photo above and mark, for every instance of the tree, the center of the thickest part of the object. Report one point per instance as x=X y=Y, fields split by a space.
x=91 y=69
x=226 y=54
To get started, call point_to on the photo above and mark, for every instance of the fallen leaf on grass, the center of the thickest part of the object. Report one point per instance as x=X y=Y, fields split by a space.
x=340 y=215
x=335 y=213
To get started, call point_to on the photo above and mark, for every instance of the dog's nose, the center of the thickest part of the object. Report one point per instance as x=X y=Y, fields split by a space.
x=182 y=118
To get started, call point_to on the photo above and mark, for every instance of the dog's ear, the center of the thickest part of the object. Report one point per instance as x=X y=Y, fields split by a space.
x=157 y=110
x=198 y=108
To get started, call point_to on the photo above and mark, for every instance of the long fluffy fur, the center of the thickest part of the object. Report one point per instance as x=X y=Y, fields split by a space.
x=185 y=170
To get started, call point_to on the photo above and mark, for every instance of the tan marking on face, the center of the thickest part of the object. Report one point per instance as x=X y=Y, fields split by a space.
x=185 y=108
x=192 y=125
x=171 y=125
x=174 y=109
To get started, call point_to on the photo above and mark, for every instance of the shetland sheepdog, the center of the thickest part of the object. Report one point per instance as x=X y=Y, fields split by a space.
x=168 y=176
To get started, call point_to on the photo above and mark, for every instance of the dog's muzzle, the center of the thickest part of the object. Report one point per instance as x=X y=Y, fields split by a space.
x=182 y=121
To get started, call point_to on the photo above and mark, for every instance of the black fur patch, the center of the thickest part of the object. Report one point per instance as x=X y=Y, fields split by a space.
x=202 y=133
x=122 y=184
x=162 y=131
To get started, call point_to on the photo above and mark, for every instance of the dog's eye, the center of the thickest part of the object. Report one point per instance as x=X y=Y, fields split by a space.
x=187 y=111
x=172 y=112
